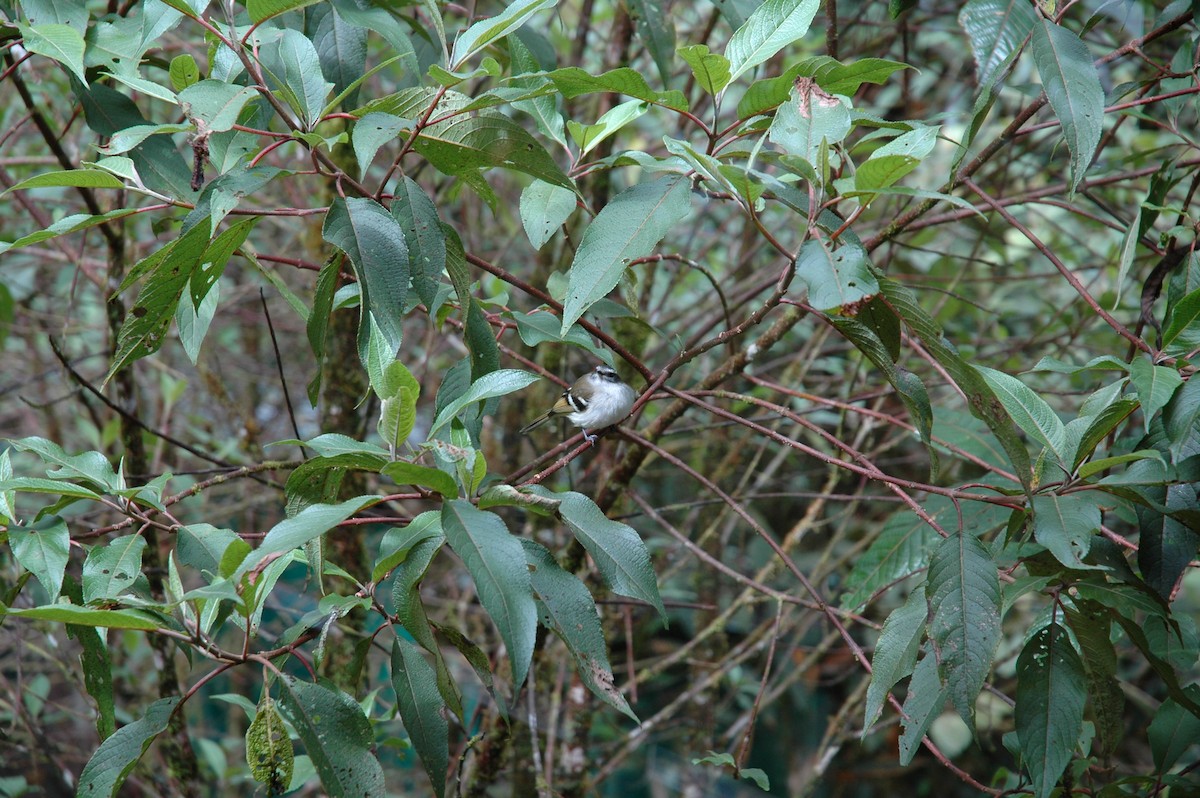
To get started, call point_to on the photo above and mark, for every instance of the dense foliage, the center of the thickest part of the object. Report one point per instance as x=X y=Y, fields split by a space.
x=909 y=293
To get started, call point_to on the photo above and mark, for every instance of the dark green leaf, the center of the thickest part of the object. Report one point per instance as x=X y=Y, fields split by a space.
x=397 y=542
x=1073 y=87
x=1173 y=731
x=421 y=708
x=97 y=676
x=294 y=532
x=1051 y=692
x=964 y=596
x=1167 y=545
x=573 y=82
x=87 y=616
x=616 y=548
x=1065 y=525
x=497 y=564
x=895 y=653
x=374 y=242
x=337 y=738
x=628 y=228
x=418 y=217
x=171 y=270
x=405 y=473
x=342 y=50
x=108 y=768
x=926 y=697
x=567 y=609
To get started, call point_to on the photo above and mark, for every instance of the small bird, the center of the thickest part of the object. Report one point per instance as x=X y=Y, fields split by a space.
x=597 y=400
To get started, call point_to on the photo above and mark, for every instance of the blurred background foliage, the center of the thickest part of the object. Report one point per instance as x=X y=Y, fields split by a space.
x=752 y=668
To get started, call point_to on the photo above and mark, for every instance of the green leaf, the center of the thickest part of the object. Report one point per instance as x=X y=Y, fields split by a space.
x=964 y=595
x=61 y=43
x=573 y=82
x=294 y=72
x=627 y=228
x=544 y=109
x=895 y=653
x=374 y=242
x=215 y=258
x=1167 y=545
x=997 y=29
x=465 y=144
x=488 y=30
x=926 y=697
x=397 y=416
x=654 y=26
x=262 y=10
x=1155 y=385
x=268 y=749
x=497 y=383
x=1051 y=692
x=835 y=279
x=618 y=551
x=810 y=119
x=97 y=675
x=711 y=70
x=405 y=473
x=1073 y=87
x=170 y=269
x=418 y=217
x=337 y=738
x=421 y=707
x=342 y=49
x=544 y=209
x=1173 y=731
x=216 y=103
x=833 y=77
x=587 y=137
x=497 y=564
x=183 y=72
x=772 y=26
x=1065 y=525
x=78 y=178
x=294 y=532
x=109 y=570
x=65 y=225
x=397 y=542
x=372 y=132
x=193 y=323
x=1181 y=419
x=1030 y=412
x=880 y=171
x=904 y=545
x=113 y=761
x=87 y=616
x=1182 y=333
x=568 y=610
x=125 y=140
x=43 y=549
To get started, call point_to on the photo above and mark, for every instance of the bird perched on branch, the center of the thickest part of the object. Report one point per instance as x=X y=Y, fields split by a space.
x=597 y=400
